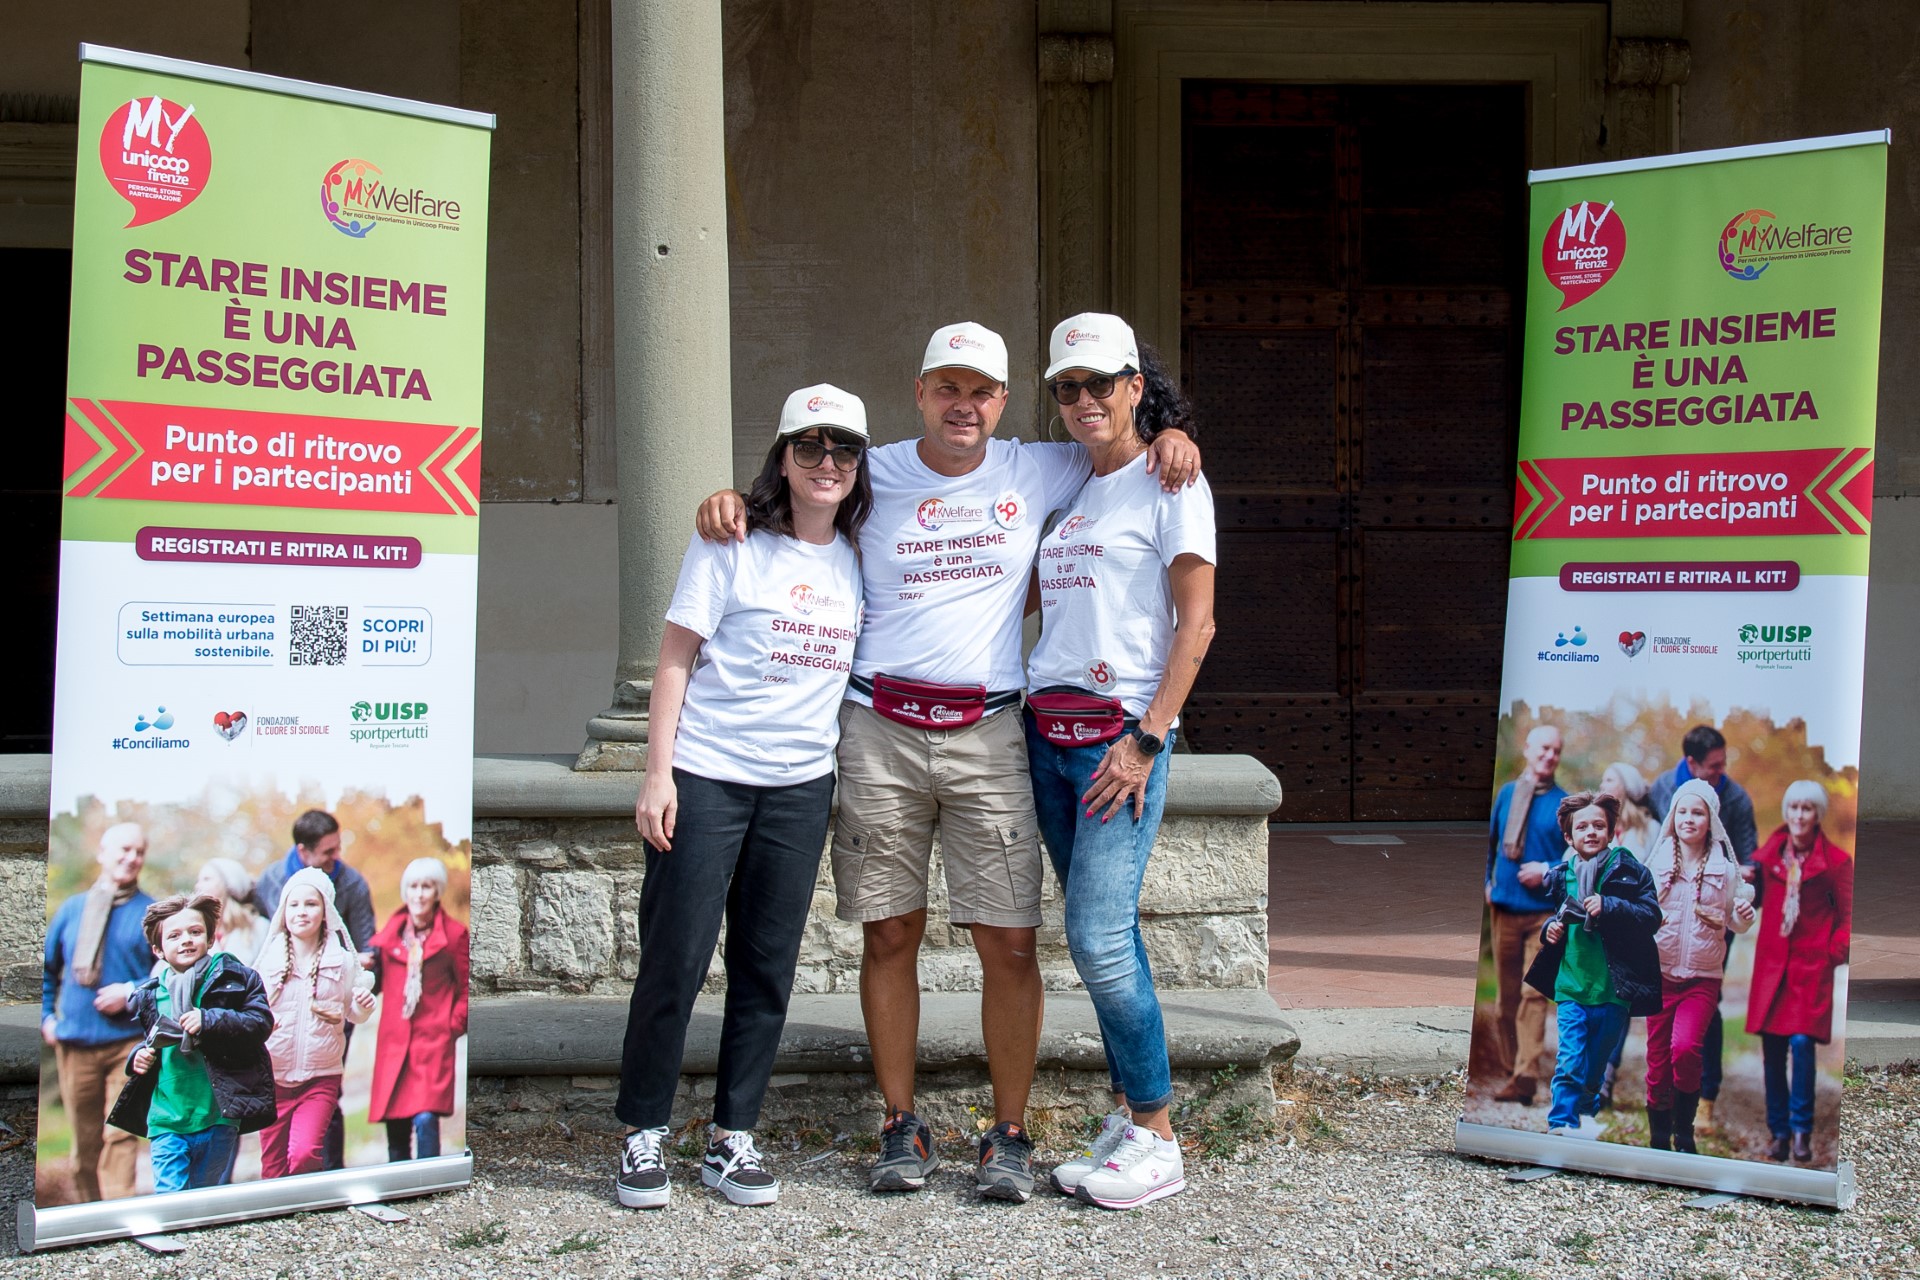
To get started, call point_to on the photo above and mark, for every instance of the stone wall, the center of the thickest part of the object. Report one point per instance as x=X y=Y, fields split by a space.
x=555 y=903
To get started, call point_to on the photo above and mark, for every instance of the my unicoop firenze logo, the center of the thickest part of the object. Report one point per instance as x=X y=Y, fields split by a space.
x=356 y=197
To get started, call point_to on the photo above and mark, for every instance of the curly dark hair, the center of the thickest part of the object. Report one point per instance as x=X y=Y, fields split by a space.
x=770 y=500
x=1163 y=406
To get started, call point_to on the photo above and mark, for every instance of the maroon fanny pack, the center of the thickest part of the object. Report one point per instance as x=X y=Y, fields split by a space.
x=1070 y=717
x=921 y=704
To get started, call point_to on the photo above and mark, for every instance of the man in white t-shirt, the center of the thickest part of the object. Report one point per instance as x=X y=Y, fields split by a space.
x=931 y=731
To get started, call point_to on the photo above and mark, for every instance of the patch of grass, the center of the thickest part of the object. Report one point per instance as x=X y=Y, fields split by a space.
x=866 y=1141
x=578 y=1242
x=1504 y=1273
x=1220 y=1129
x=838 y=1232
x=481 y=1237
x=1580 y=1245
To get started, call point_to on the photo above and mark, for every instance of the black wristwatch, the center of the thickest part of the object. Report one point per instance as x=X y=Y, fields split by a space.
x=1148 y=743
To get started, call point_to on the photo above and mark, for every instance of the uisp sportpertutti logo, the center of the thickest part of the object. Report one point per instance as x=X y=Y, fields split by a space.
x=387 y=724
x=1774 y=646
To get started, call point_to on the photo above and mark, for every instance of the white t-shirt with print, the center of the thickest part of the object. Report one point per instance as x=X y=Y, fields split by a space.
x=1106 y=606
x=780 y=618
x=945 y=559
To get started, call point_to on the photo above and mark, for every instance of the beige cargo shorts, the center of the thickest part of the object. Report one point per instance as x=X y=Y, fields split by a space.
x=896 y=781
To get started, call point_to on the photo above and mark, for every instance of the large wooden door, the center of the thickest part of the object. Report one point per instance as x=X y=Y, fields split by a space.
x=1351 y=275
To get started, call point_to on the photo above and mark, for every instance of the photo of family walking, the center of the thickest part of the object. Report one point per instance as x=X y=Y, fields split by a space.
x=1664 y=949
x=252 y=985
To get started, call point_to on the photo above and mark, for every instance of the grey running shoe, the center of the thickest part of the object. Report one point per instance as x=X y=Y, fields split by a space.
x=733 y=1168
x=642 y=1182
x=1005 y=1171
x=906 y=1154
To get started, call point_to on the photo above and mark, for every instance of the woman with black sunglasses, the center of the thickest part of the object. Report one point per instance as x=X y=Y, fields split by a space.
x=744 y=717
x=1126 y=594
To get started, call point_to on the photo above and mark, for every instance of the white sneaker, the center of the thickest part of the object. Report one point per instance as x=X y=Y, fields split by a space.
x=1144 y=1167
x=642 y=1182
x=733 y=1168
x=1066 y=1176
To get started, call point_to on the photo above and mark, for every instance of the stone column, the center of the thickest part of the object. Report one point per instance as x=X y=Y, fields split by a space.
x=1647 y=62
x=672 y=372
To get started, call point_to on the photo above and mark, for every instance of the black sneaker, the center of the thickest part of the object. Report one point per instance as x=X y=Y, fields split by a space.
x=732 y=1167
x=906 y=1154
x=1005 y=1171
x=642 y=1183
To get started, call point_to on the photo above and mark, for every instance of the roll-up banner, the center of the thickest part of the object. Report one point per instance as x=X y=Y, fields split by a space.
x=255 y=995
x=1662 y=986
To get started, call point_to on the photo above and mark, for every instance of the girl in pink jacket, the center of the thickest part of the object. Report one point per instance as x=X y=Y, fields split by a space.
x=1701 y=897
x=315 y=986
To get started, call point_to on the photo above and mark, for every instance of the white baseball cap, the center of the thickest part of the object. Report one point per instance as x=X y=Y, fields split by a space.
x=1093 y=340
x=823 y=405
x=967 y=346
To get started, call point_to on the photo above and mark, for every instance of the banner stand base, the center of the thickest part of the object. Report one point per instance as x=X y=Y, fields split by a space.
x=1709 y=1173
x=72 y=1224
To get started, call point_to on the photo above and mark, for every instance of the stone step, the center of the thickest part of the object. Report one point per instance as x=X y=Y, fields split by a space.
x=543 y=1036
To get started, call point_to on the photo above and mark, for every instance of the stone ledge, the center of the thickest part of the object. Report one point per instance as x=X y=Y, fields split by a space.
x=534 y=786
x=538 y=786
x=540 y=1035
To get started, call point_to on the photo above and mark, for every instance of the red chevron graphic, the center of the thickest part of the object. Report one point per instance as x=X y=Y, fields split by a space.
x=1550 y=499
x=1837 y=492
x=97 y=448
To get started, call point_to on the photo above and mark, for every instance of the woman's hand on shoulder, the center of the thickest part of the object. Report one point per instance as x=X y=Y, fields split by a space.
x=657 y=808
x=1122 y=773
x=1175 y=458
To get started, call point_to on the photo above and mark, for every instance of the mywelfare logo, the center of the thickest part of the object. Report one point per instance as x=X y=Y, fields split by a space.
x=1072 y=525
x=816 y=403
x=356 y=197
x=1569 y=648
x=806 y=599
x=1077 y=336
x=387 y=724
x=934 y=513
x=160 y=721
x=156 y=155
x=959 y=340
x=1583 y=250
x=1774 y=646
x=1755 y=240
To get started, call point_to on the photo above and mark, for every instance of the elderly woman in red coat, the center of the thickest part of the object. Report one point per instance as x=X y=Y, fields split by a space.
x=422 y=959
x=1806 y=926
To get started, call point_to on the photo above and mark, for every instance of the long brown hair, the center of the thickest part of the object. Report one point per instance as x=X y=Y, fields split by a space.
x=770 y=500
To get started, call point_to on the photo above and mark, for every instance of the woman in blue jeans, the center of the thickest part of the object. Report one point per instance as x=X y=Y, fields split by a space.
x=744 y=716
x=1126 y=596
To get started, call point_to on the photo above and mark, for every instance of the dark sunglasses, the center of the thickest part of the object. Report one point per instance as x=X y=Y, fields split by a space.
x=1066 y=390
x=846 y=457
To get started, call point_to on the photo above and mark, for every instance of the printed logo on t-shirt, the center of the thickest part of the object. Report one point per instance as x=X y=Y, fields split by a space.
x=1009 y=511
x=1099 y=674
x=1072 y=525
x=806 y=599
x=935 y=513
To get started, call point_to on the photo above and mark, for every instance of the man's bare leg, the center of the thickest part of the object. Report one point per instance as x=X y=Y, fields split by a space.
x=1011 y=1006
x=890 y=1002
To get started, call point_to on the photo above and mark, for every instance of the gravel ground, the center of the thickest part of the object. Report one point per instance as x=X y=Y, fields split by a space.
x=1356 y=1178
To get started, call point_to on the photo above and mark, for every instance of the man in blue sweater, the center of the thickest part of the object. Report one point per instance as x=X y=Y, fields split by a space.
x=1523 y=844
x=96 y=954
x=316 y=843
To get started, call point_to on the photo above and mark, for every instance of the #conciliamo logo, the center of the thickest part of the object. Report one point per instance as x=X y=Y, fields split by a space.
x=1582 y=250
x=156 y=155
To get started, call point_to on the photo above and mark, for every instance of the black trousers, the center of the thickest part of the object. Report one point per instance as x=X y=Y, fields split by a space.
x=749 y=855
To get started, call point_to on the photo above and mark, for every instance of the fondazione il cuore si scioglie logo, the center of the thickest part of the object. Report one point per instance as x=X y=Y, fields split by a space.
x=357 y=196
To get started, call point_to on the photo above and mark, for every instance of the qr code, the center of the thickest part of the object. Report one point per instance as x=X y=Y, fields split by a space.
x=319 y=635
